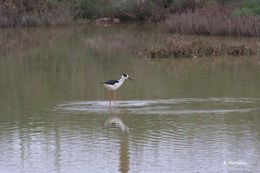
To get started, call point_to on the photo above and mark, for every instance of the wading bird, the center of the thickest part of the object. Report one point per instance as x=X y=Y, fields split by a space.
x=112 y=85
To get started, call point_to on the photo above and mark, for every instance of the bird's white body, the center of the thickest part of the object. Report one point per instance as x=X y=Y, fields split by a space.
x=112 y=85
x=115 y=85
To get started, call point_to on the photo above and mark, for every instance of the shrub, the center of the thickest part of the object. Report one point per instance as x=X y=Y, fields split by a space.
x=126 y=10
x=249 y=8
x=34 y=12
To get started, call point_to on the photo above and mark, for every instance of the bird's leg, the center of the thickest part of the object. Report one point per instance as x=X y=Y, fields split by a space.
x=109 y=97
x=114 y=96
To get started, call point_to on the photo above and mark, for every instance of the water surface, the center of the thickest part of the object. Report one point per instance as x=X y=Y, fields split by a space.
x=199 y=115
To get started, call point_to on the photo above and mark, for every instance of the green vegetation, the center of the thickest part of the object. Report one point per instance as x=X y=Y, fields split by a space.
x=151 y=9
x=126 y=10
x=51 y=12
x=34 y=12
x=249 y=8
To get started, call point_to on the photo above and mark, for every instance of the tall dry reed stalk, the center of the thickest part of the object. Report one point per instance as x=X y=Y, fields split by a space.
x=213 y=20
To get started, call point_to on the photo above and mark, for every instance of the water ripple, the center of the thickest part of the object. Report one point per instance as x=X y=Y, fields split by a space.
x=165 y=107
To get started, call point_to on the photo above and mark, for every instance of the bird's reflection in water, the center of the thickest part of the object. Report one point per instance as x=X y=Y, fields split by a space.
x=124 y=154
x=116 y=122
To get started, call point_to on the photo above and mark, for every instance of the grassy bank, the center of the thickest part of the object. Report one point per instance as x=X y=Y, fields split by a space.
x=178 y=46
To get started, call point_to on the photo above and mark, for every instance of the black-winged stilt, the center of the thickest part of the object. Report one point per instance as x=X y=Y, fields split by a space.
x=112 y=85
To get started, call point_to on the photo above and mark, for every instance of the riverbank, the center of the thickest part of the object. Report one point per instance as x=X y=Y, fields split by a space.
x=60 y=12
x=213 y=17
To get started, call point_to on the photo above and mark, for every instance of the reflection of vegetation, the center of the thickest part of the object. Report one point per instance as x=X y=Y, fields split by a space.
x=41 y=67
x=48 y=65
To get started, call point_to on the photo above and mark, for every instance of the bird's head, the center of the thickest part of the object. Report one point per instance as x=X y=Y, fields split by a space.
x=126 y=76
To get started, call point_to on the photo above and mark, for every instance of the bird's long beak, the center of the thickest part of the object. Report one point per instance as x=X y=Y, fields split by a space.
x=131 y=79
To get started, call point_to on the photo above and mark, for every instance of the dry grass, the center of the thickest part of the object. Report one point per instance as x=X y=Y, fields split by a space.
x=213 y=20
x=178 y=46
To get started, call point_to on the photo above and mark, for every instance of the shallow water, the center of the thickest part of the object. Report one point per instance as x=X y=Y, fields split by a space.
x=197 y=115
x=164 y=107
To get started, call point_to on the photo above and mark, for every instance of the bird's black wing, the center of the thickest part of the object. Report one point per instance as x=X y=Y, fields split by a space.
x=111 y=82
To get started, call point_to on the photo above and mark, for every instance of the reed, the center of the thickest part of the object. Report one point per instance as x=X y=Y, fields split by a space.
x=213 y=20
